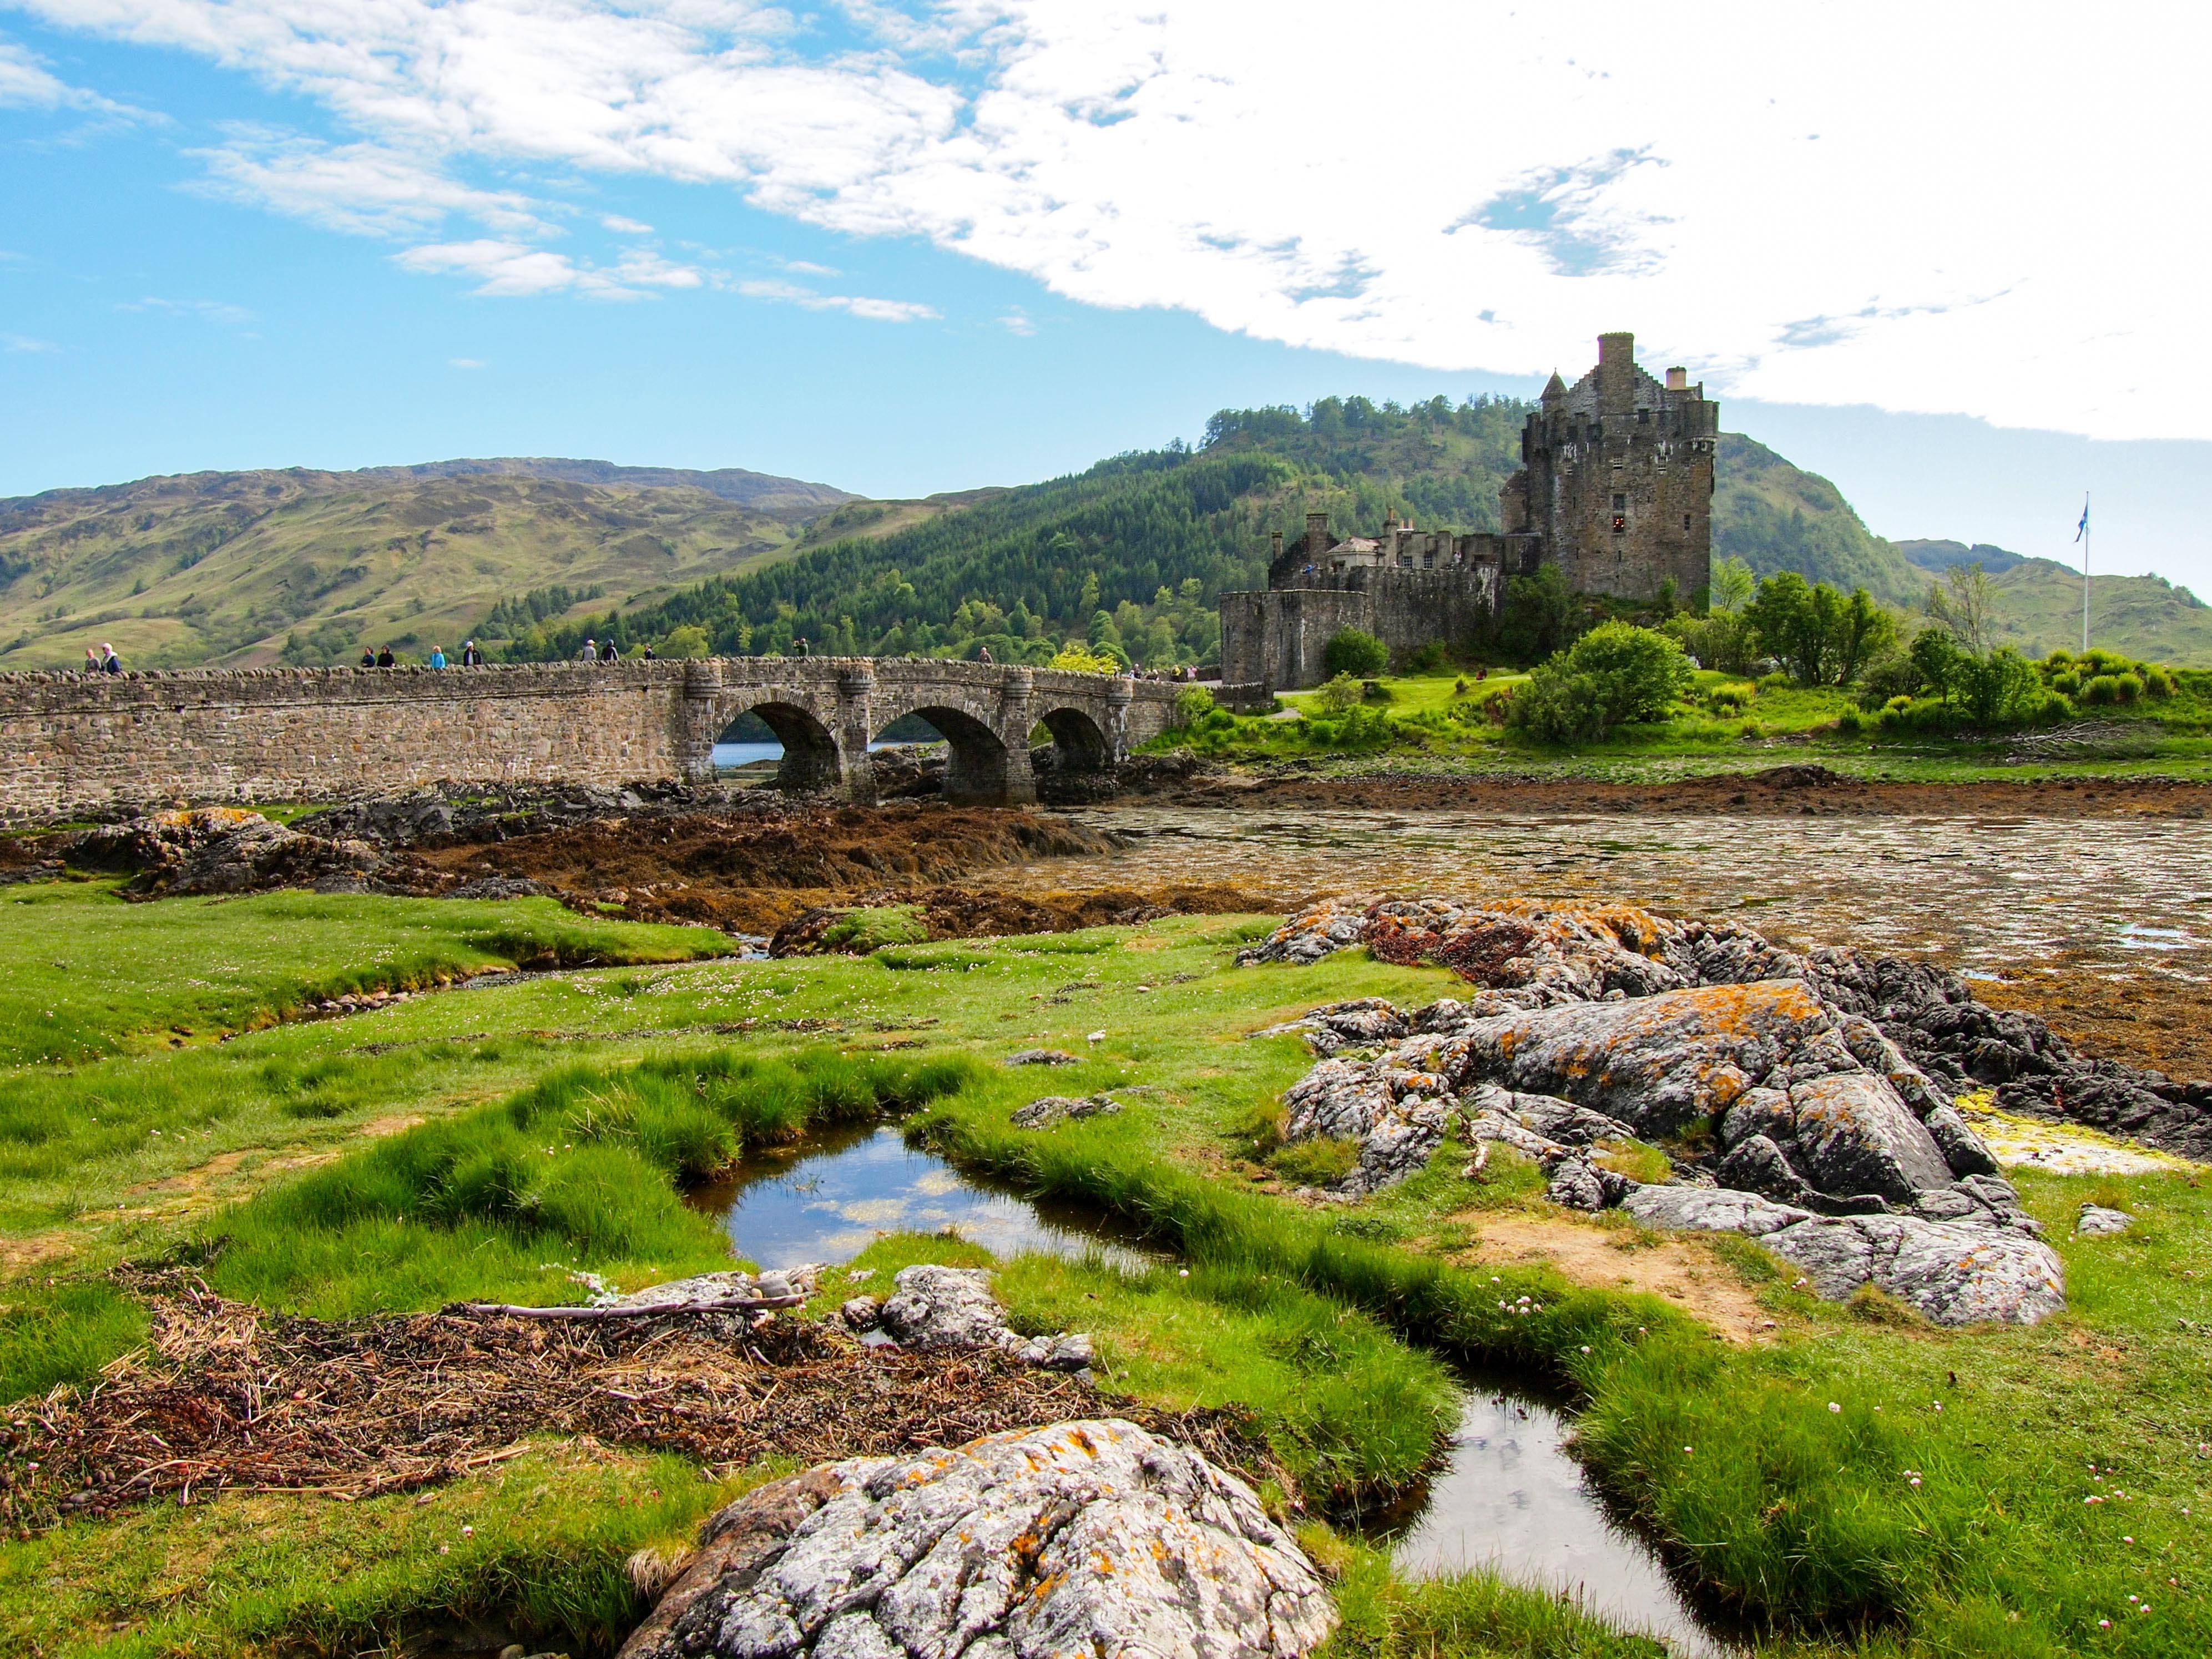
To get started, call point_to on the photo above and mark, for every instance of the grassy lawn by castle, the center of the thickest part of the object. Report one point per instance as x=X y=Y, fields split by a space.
x=298 y=1165
x=1445 y=723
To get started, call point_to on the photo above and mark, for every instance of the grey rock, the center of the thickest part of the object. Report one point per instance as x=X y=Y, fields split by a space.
x=1041 y=1057
x=1954 y=1274
x=1049 y=1109
x=710 y=1289
x=1093 y=1538
x=935 y=1307
x=2096 y=1221
x=1854 y=1135
x=862 y=1313
x=1575 y=1183
x=1398 y=1114
x=1362 y=1021
x=1961 y=1147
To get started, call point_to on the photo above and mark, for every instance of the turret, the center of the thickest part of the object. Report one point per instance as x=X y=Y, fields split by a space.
x=1616 y=373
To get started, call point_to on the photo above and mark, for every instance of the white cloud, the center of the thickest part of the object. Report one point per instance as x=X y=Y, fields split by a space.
x=1986 y=223
x=213 y=310
x=1016 y=322
x=26 y=342
x=26 y=83
x=465 y=363
x=510 y=268
x=622 y=227
x=367 y=189
x=876 y=311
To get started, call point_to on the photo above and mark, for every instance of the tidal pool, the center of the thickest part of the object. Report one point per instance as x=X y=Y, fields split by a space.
x=1510 y=1500
x=828 y=1200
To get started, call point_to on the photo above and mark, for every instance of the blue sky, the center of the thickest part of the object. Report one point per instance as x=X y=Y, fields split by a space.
x=906 y=250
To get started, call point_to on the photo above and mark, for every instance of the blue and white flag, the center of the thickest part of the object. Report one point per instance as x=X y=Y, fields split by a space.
x=2082 y=529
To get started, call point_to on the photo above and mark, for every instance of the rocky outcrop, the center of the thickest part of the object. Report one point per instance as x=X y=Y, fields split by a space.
x=1954 y=1274
x=1049 y=1109
x=1085 y=1538
x=1399 y=1116
x=1365 y=1020
x=1530 y=956
x=2096 y=1221
x=217 y=850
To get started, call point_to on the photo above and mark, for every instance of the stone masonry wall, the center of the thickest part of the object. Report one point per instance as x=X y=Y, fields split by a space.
x=75 y=742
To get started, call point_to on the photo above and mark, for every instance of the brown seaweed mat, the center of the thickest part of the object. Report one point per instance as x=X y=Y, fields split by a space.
x=226 y=1397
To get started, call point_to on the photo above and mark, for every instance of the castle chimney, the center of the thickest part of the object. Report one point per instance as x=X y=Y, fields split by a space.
x=1317 y=536
x=1677 y=379
x=1616 y=373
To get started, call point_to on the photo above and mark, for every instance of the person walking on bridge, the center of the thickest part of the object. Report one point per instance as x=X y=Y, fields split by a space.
x=470 y=657
x=589 y=653
x=368 y=656
x=608 y=652
x=91 y=659
x=437 y=657
x=109 y=662
x=385 y=660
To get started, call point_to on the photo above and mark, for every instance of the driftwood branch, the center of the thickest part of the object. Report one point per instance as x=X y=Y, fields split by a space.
x=645 y=1310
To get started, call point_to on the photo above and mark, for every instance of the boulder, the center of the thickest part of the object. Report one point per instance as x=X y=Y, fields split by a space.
x=1954 y=1274
x=1398 y=1114
x=1040 y=1057
x=2096 y=1221
x=1093 y=1538
x=1362 y=1021
x=933 y=1307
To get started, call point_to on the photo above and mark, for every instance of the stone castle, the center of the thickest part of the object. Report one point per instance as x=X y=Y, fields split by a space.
x=1615 y=489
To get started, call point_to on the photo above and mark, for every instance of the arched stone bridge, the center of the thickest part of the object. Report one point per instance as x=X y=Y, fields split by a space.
x=78 y=742
x=826 y=711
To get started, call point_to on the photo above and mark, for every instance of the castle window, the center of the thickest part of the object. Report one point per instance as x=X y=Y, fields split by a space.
x=1429 y=560
x=1620 y=503
x=1643 y=417
x=1686 y=521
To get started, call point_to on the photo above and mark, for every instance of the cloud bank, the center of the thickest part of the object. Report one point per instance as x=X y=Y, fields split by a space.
x=1976 y=208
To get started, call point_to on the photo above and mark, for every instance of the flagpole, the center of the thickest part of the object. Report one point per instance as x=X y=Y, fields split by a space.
x=2085 y=575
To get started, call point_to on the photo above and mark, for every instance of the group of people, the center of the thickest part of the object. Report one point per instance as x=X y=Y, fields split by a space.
x=103 y=660
x=608 y=651
x=381 y=657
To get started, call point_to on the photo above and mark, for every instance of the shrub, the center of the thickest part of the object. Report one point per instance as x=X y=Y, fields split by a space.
x=1777 y=681
x=1850 y=723
x=2157 y=682
x=1193 y=704
x=1615 y=674
x=1339 y=694
x=1430 y=659
x=1732 y=697
x=2066 y=683
x=1077 y=658
x=2112 y=688
x=1356 y=652
x=1999 y=686
x=1376 y=692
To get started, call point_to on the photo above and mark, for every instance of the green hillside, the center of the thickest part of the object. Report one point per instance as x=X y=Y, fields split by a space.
x=244 y=569
x=1774 y=516
x=530 y=555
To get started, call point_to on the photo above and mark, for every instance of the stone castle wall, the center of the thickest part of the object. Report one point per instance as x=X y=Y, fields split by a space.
x=78 y=743
x=1279 y=638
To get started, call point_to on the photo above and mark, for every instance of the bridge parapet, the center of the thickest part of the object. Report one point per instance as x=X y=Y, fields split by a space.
x=80 y=742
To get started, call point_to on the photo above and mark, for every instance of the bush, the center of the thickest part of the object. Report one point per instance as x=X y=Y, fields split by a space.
x=1193 y=704
x=2157 y=682
x=1615 y=674
x=1339 y=694
x=1778 y=681
x=1356 y=652
x=1850 y=723
x=1730 y=698
x=1077 y=658
x=2107 y=689
x=1376 y=692
x=1430 y=659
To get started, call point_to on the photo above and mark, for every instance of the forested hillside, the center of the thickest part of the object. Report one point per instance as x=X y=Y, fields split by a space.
x=1774 y=516
x=530 y=556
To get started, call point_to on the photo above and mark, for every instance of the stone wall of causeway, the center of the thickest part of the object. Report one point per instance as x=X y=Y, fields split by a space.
x=81 y=743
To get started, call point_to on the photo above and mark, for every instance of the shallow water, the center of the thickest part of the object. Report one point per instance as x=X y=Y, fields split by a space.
x=1971 y=892
x=829 y=1201
x=1512 y=1500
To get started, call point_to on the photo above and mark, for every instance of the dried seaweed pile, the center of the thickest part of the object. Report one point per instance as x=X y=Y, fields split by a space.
x=226 y=1397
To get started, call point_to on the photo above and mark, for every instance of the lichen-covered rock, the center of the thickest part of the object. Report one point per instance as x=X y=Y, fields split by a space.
x=1954 y=1274
x=1398 y=1114
x=1041 y=1057
x=1363 y=1020
x=710 y=1290
x=2097 y=1221
x=1084 y=1538
x=1049 y=1109
x=933 y=1307
x=1330 y=926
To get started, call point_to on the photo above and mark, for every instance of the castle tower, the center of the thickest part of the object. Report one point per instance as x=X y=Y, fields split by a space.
x=1617 y=481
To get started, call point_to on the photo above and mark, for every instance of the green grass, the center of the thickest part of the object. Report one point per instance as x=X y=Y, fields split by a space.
x=1429 y=725
x=93 y=974
x=1326 y=1321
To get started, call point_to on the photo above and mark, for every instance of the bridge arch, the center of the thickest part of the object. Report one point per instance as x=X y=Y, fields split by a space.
x=1079 y=743
x=811 y=759
x=982 y=768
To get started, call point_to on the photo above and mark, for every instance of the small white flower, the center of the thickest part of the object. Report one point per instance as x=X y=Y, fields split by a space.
x=1833 y=1407
x=1585 y=1347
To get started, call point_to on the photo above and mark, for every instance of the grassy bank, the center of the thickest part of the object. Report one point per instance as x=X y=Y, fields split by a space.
x=91 y=974
x=561 y=1112
x=1444 y=723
